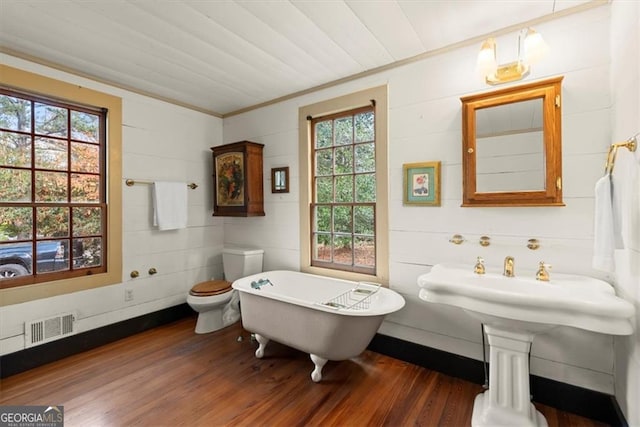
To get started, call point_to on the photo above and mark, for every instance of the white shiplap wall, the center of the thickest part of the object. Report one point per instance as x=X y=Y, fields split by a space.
x=160 y=142
x=425 y=125
x=625 y=82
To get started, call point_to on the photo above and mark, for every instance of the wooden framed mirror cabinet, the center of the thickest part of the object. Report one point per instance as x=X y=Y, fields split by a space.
x=511 y=146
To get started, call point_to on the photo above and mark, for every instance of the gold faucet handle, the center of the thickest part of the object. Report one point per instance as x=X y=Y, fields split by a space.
x=542 y=274
x=479 y=267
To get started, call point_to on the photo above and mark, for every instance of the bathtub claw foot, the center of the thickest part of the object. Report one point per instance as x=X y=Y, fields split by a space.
x=262 y=343
x=319 y=363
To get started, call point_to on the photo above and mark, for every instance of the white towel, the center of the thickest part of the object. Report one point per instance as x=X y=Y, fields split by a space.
x=625 y=198
x=169 y=205
x=603 y=239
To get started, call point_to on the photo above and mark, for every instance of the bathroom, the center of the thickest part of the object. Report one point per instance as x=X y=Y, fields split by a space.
x=596 y=52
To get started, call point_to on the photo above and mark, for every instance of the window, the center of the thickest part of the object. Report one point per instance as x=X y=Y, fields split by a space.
x=52 y=201
x=343 y=176
x=85 y=273
x=343 y=208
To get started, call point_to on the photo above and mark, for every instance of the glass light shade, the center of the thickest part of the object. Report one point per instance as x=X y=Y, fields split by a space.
x=487 y=58
x=534 y=47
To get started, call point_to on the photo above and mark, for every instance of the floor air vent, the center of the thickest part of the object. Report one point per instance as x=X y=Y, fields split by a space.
x=45 y=330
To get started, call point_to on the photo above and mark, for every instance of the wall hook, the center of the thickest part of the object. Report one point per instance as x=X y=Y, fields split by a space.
x=533 y=244
x=456 y=239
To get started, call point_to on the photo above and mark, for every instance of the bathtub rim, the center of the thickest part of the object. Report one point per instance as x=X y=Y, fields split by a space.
x=393 y=301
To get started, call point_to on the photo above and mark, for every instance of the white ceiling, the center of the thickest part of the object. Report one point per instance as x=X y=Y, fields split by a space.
x=222 y=56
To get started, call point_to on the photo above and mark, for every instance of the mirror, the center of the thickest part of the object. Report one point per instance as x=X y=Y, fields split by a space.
x=280 y=180
x=512 y=146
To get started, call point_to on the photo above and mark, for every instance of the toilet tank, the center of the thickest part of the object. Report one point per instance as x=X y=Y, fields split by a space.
x=241 y=262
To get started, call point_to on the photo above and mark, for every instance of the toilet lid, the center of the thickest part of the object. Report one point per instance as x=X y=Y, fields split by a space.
x=210 y=287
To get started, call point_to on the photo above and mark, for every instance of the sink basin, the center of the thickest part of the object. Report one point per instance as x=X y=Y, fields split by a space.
x=524 y=303
x=513 y=310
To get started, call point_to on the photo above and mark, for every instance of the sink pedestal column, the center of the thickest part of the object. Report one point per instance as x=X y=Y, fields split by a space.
x=508 y=401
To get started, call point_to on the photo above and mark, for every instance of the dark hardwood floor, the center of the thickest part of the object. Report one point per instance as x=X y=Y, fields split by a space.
x=170 y=376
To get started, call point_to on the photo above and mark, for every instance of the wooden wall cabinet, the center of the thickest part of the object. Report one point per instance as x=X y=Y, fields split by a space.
x=237 y=179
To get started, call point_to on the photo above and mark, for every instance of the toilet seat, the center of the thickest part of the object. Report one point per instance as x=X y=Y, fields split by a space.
x=210 y=288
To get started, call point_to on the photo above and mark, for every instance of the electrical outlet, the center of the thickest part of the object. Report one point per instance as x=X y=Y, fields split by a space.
x=128 y=294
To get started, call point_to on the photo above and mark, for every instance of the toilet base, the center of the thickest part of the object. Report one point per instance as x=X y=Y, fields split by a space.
x=215 y=311
x=209 y=321
x=219 y=317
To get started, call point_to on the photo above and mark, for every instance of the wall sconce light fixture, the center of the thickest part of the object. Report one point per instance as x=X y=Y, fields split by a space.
x=531 y=48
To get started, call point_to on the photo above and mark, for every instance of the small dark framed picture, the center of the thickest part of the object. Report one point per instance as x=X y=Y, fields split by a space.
x=280 y=180
x=421 y=183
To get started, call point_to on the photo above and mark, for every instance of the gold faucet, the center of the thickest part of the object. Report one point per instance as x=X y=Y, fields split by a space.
x=479 y=268
x=509 y=266
x=542 y=274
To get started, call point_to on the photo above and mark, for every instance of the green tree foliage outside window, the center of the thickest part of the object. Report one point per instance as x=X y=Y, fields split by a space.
x=52 y=201
x=344 y=191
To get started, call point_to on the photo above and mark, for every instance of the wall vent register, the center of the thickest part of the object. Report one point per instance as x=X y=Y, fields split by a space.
x=44 y=330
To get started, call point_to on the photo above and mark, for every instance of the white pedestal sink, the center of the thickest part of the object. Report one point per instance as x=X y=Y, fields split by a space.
x=514 y=310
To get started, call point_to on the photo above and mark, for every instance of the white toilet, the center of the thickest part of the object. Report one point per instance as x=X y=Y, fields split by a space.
x=215 y=300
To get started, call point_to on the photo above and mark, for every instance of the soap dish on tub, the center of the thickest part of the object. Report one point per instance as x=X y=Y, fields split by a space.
x=358 y=298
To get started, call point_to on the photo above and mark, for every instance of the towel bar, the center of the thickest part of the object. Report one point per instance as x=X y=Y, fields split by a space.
x=630 y=144
x=131 y=182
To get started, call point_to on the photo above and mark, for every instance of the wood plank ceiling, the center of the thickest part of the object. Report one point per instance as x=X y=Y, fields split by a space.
x=223 y=56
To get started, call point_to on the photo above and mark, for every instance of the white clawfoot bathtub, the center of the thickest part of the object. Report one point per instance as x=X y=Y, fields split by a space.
x=328 y=318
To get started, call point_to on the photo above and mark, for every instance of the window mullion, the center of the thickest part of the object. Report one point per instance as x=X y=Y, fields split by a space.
x=34 y=233
x=353 y=190
x=69 y=205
